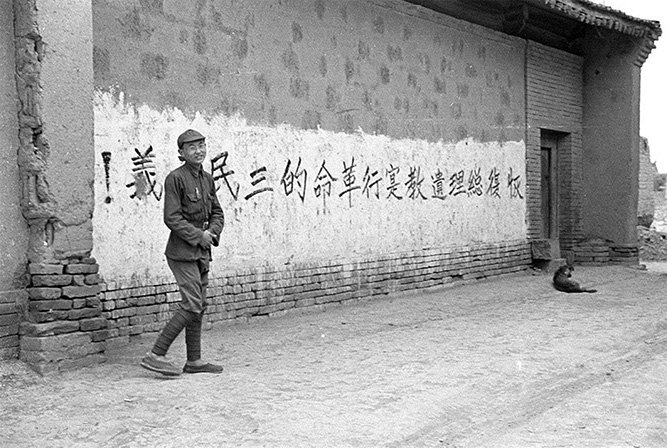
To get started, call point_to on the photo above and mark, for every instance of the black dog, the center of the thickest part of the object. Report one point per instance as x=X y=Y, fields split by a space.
x=564 y=283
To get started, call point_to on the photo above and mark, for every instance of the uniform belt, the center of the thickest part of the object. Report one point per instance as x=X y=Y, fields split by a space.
x=200 y=224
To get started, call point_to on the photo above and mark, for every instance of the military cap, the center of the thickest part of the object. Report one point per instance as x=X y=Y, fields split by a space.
x=189 y=136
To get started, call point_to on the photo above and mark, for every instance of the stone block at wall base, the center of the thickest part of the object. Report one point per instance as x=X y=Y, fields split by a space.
x=545 y=249
x=116 y=342
x=54 y=353
x=49 y=328
x=549 y=266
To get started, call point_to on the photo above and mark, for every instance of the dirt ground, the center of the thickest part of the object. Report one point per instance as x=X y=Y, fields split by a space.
x=508 y=362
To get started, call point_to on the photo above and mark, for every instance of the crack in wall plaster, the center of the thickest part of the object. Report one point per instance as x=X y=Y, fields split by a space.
x=37 y=203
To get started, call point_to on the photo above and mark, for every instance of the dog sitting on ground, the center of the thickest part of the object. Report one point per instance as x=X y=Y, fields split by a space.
x=563 y=281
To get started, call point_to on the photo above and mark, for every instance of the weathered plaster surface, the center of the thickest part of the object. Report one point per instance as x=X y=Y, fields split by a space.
x=273 y=81
x=67 y=76
x=338 y=65
x=37 y=203
x=13 y=228
x=277 y=227
x=54 y=84
x=611 y=138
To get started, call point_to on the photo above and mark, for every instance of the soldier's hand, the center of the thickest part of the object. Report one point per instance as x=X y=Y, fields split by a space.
x=207 y=239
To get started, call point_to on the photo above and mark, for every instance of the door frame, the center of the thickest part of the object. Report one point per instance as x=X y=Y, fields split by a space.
x=550 y=142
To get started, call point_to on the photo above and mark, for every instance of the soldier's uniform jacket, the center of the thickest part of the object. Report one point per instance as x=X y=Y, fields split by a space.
x=190 y=207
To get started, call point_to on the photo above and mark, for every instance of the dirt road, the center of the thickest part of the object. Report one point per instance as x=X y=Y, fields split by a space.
x=508 y=362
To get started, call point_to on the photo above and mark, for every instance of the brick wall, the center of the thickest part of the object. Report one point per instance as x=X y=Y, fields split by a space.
x=133 y=310
x=554 y=103
x=12 y=305
x=62 y=326
x=647 y=174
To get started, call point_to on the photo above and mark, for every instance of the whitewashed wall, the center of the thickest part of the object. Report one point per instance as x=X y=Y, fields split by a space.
x=277 y=227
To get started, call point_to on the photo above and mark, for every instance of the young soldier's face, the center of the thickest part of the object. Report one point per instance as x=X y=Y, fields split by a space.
x=193 y=152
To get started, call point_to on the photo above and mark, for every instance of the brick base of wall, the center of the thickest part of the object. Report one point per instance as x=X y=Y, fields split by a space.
x=624 y=253
x=594 y=251
x=64 y=327
x=598 y=252
x=12 y=305
x=272 y=292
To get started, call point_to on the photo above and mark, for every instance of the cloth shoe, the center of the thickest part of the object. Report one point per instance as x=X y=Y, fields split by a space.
x=160 y=366
x=204 y=368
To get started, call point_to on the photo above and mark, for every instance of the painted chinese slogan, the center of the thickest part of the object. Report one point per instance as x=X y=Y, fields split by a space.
x=294 y=196
x=354 y=181
x=351 y=181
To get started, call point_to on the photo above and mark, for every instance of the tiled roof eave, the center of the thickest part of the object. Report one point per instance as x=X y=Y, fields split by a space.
x=606 y=17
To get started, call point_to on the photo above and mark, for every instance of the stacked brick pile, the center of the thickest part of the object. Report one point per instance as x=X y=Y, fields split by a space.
x=598 y=251
x=593 y=251
x=64 y=327
x=624 y=253
x=268 y=292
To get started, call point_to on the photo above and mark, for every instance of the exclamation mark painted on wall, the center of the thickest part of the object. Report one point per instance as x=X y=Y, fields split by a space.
x=106 y=157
